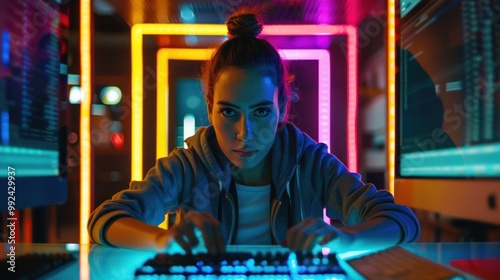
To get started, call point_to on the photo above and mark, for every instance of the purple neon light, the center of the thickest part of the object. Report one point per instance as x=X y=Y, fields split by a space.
x=352 y=72
x=352 y=87
x=323 y=57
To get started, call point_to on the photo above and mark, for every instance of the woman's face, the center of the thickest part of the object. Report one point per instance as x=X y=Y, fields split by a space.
x=245 y=115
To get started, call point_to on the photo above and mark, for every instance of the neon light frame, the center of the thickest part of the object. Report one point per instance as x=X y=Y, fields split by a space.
x=139 y=30
x=164 y=54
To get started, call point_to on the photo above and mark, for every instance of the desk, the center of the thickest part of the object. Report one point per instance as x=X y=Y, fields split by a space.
x=100 y=262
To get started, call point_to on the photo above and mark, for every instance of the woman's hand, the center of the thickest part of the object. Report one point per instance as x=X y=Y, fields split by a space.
x=193 y=230
x=311 y=234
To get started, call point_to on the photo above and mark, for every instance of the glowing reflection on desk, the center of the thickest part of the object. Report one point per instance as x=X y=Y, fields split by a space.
x=116 y=263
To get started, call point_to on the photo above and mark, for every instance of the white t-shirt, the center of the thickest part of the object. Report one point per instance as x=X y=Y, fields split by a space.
x=254 y=224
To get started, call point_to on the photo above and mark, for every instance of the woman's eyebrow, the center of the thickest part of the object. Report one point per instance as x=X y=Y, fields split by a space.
x=260 y=104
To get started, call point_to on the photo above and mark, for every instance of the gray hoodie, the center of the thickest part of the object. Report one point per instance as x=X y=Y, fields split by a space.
x=305 y=179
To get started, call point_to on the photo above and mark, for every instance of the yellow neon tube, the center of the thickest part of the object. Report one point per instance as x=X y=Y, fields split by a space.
x=391 y=92
x=163 y=90
x=136 y=156
x=85 y=150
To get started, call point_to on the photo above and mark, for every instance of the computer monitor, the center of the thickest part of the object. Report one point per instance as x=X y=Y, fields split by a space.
x=33 y=84
x=448 y=108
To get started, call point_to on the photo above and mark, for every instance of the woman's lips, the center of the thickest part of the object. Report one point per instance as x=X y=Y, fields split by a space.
x=245 y=154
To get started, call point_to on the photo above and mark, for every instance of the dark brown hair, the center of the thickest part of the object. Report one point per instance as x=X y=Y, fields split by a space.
x=245 y=50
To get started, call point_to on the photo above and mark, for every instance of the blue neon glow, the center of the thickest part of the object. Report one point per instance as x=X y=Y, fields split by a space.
x=176 y=269
x=189 y=127
x=5 y=128
x=111 y=95
x=187 y=14
x=73 y=79
x=293 y=263
x=351 y=254
x=5 y=48
x=73 y=247
x=35 y=162
x=98 y=110
x=207 y=269
x=191 y=269
x=191 y=40
x=469 y=161
x=75 y=95
x=63 y=69
x=147 y=269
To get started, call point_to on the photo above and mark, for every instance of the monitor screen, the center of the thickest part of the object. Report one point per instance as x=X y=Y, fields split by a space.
x=448 y=107
x=33 y=77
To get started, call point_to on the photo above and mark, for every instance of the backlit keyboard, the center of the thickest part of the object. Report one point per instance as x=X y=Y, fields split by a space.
x=241 y=265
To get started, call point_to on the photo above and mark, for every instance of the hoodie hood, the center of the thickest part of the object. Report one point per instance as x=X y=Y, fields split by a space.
x=287 y=150
x=204 y=144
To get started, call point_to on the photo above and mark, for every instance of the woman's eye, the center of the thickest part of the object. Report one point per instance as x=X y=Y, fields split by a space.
x=227 y=112
x=262 y=112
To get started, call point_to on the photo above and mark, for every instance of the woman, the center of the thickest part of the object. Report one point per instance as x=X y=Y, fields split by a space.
x=251 y=177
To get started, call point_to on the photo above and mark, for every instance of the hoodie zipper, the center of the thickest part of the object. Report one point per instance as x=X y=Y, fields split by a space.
x=231 y=232
x=277 y=203
x=274 y=214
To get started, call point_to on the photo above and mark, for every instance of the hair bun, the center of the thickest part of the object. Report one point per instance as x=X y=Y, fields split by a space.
x=244 y=24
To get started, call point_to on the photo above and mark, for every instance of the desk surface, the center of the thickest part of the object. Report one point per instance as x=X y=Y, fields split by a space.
x=101 y=262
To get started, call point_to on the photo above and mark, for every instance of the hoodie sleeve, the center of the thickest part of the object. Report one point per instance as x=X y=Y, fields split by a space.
x=148 y=200
x=349 y=199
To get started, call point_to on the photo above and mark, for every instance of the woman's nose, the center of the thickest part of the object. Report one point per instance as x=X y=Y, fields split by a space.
x=244 y=129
